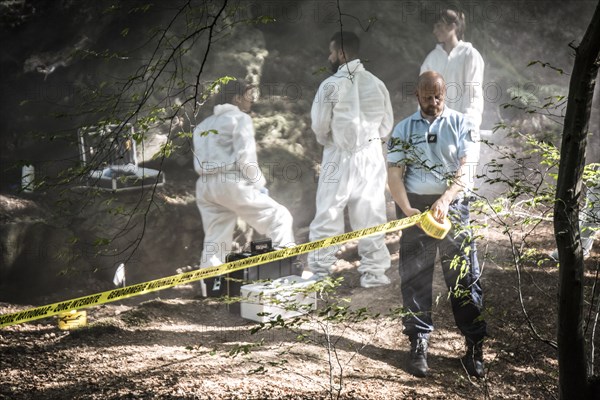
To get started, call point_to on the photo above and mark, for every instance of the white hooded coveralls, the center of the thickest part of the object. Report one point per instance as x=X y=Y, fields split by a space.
x=462 y=70
x=230 y=185
x=351 y=114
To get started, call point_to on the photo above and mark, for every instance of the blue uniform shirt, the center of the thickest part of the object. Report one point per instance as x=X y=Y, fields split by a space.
x=431 y=152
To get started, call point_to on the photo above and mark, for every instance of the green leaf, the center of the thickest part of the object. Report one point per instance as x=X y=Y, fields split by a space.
x=208 y=132
x=101 y=241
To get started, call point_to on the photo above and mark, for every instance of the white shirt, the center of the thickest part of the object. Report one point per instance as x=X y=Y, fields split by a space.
x=224 y=143
x=462 y=70
x=351 y=108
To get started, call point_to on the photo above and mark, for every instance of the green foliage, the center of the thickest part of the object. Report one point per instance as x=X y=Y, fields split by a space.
x=591 y=175
x=521 y=97
x=214 y=87
x=262 y=368
x=529 y=176
x=525 y=170
x=165 y=150
x=325 y=328
x=263 y=19
x=208 y=132
x=545 y=64
x=141 y=9
x=320 y=71
x=244 y=349
x=413 y=157
x=102 y=241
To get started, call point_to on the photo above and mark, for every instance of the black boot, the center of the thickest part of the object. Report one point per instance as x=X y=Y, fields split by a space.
x=473 y=360
x=418 y=357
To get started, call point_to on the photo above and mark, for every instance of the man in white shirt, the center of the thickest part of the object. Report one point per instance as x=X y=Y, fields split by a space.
x=231 y=184
x=351 y=115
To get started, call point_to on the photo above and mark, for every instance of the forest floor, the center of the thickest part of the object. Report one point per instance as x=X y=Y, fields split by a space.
x=174 y=344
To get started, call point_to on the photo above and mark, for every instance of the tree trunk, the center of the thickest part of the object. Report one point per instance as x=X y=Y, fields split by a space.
x=573 y=375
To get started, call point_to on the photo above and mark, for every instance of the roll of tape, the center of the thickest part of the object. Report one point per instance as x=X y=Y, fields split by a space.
x=433 y=228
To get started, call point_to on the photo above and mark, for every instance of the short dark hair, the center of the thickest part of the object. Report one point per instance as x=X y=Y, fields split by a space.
x=236 y=87
x=347 y=41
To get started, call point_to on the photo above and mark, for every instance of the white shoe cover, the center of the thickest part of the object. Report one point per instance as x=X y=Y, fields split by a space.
x=368 y=280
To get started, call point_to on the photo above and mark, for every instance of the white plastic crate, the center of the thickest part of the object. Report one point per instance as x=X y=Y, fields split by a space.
x=286 y=296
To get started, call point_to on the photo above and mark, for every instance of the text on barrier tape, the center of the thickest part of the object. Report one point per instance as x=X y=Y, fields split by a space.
x=204 y=273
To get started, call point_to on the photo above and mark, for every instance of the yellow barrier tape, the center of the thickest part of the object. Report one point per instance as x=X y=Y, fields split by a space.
x=174 y=280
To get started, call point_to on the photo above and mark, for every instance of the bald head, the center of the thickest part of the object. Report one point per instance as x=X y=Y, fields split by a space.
x=431 y=92
x=430 y=80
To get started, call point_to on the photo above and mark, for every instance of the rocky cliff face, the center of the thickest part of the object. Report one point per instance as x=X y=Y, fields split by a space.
x=62 y=62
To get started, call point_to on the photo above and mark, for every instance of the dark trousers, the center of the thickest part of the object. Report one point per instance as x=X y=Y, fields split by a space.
x=459 y=265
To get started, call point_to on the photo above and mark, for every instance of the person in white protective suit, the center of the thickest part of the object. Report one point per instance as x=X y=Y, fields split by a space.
x=460 y=64
x=351 y=116
x=231 y=184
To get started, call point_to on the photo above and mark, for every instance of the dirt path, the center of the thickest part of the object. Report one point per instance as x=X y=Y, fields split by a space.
x=173 y=345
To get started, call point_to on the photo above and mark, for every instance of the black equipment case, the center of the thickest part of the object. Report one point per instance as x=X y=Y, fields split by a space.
x=230 y=284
